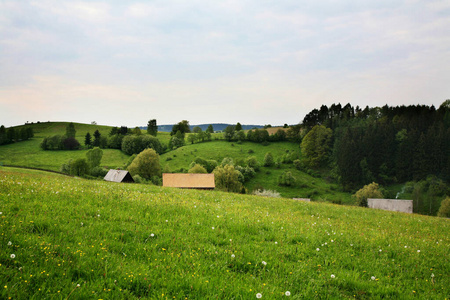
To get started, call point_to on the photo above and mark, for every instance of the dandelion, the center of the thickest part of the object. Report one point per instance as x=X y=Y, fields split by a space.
x=418 y=251
x=212 y=228
x=233 y=256
x=380 y=250
x=373 y=277
x=332 y=241
x=167 y=221
x=152 y=235
x=276 y=243
x=13 y=256
x=259 y=295
x=317 y=249
x=332 y=276
x=432 y=275
x=98 y=215
x=78 y=285
x=9 y=243
x=264 y=263
x=287 y=293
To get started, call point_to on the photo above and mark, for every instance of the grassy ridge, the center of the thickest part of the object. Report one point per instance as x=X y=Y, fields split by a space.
x=128 y=241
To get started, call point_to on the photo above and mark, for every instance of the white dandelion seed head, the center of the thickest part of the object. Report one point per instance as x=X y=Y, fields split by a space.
x=317 y=249
x=432 y=275
x=167 y=221
x=373 y=277
x=98 y=216
x=276 y=243
x=332 y=276
x=380 y=250
x=212 y=228
x=78 y=285
x=9 y=243
x=287 y=293
x=233 y=256
x=418 y=251
x=259 y=295
x=152 y=235
x=13 y=256
x=332 y=241
x=264 y=263
x=406 y=246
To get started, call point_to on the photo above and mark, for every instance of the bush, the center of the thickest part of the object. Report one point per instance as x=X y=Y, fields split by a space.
x=298 y=164
x=197 y=169
x=368 y=191
x=286 y=179
x=138 y=179
x=444 y=210
x=268 y=160
x=98 y=172
x=252 y=162
x=78 y=167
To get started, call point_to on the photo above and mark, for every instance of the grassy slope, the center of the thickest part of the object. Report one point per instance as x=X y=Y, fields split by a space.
x=104 y=244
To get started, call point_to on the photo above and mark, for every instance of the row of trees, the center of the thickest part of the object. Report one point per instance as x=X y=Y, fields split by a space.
x=11 y=135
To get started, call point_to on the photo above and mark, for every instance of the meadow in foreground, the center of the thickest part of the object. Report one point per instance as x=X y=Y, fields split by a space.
x=67 y=238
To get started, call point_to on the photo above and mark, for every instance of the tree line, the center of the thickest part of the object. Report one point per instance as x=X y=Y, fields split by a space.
x=13 y=135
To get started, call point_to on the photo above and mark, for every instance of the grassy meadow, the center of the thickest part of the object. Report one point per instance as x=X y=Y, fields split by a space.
x=71 y=238
x=29 y=154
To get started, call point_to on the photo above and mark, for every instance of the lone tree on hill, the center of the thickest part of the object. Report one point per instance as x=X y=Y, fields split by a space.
x=182 y=127
x=152 y=128
x=94 y=157
x=210 y=129
x=97 y=136
x=146 y=164
x=88 y=140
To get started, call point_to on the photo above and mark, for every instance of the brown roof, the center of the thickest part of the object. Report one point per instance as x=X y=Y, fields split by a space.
x=189 y=181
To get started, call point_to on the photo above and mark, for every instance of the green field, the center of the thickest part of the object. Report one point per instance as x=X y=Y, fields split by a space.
x=64 y=237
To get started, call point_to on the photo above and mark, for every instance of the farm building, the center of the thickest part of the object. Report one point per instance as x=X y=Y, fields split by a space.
x=189 y=181
x=118 y=176
x=391 y=204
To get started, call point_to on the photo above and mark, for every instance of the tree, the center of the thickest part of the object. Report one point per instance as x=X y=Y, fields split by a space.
x=268 y=160
x=238 y=127
x=137 y=131
x=210 y=129
x=2 y=135
x=368 y=191
x=444 y=210
x=197 y=169
x=146 y=164
x=97 y=136
x=252 y=162
x=94 y=157
x=88 y=140
x=192 y=138
x=78 y=167
x=70 y=130
x=228 y=133
x=182 y=127
x=197 y=129
x=227 y=179
x=316 y=146
x=71 y=143
x=152 y=128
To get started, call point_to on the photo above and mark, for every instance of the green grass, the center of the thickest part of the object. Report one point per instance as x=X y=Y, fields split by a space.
x=66 y=232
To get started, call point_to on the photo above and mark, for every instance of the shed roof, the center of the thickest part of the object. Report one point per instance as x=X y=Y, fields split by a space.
x=189 y=181
x=118 y=176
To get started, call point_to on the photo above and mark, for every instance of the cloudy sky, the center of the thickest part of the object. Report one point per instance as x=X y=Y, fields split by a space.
x=255 y=62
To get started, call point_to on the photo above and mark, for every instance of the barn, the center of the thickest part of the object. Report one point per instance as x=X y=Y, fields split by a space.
x=189 y=181
x=118 y=176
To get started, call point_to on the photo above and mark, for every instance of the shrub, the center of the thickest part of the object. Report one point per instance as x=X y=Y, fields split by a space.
x=98 y=172
x=138 y=179
x=94 y=157
x=368 y=191
x=444 y=210
x=78 y=167
x=198 y=169
x=298 y=164
x=250 y=151
x=286 y=179
x=71 y=143
x=252 y=162
x=268 y=160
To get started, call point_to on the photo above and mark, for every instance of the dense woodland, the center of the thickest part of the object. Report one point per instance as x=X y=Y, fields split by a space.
x=387 y=144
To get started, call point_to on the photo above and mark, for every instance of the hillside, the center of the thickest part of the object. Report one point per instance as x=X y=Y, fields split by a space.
x=29 y=154
x=132 y=241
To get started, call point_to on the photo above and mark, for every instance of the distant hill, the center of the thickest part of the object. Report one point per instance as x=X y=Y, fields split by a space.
x=216 y=126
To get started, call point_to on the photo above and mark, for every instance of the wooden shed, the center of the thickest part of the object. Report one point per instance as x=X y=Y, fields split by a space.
x=118 y=176
x=189 y=181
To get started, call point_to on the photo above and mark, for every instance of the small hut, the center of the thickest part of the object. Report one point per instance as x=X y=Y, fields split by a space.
x=189 y=181
x=118 y=176
x=405 y=206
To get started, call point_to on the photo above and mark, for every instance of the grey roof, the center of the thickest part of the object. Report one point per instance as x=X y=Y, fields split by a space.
x=118 y=176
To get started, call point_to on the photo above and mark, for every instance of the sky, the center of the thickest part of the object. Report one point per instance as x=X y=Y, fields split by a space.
x=122 y=63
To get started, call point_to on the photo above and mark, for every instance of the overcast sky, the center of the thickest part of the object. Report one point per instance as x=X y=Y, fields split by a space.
x=254 y=62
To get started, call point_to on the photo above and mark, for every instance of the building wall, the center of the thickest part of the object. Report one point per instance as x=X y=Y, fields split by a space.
x=391 y=204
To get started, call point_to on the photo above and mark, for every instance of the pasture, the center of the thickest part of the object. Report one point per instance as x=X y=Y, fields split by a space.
x=64 y=237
